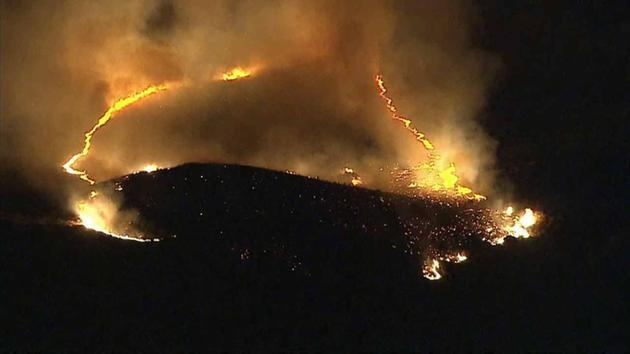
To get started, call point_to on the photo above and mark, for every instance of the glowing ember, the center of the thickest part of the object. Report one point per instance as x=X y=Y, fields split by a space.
x=150 y=168
x=434 y=179
x=356 y=179
x=440 y=176
x=455 y=258
x=510 y=225
x=460 y=258
x=117 y=106
x=429 y=175
x=235 y=74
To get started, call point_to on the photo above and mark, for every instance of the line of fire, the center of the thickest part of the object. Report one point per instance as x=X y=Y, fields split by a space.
x=434 y=214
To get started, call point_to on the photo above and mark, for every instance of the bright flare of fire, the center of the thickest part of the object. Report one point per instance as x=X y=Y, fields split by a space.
x=92 y=218
x=454 y=258
x=511 y=225
x=236 y=73
x=150 y=168
x=493 y=225
x=99 y=214
x=117 y=106
x=356 y=179
x=441 y=176
x=521 y=225
x=431 y=270
x=429 y=174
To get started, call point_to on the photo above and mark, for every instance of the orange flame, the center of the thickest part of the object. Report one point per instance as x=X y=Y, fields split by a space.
x=356 y=179
x=100 y=214
x=149 y=168
x=117 y=106
x=520 y=227
x=431 y=270
x=389 y=102
x=436 y=178
x=235 y=74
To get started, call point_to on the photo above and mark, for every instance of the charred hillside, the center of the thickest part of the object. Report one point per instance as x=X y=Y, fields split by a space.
x=312 y=226
x=279 y=261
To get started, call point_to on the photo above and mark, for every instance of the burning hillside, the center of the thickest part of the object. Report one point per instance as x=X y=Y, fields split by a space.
x=432 y=237
x=259 y=213
x=284 y=175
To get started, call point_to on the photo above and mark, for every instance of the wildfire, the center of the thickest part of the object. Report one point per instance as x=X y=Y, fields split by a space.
x=100 y=214
x=117 y=106
x=235 y=74
x=149 y=168
x=437 y=175
x=494 y=226
x=356 y=179
x=428 y=175
x=454 y=258
x=389 y=102
x=431 y=270
x=518 y=226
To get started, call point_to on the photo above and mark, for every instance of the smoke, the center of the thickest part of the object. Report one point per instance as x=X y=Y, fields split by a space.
x=104 y=213
x=311 y=106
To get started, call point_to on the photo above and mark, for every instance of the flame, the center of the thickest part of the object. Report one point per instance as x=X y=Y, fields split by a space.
x=150 y=168
x=459 y=257
x=356 y=179
x=99 y=214
x=522 y=224
x=494 y=225
x=389 y=103
x=117 y=106
x=437 y=175
x=431 y=270
x=429 y=175
x=235 y=73
x=454 y=258
x=510 y=225
x=92 y=218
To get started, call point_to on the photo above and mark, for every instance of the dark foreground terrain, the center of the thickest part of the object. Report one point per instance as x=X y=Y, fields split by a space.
x=270 y=260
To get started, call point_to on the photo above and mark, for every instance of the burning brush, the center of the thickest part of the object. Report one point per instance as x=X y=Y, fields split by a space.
x=442 y=184
x=435 y=180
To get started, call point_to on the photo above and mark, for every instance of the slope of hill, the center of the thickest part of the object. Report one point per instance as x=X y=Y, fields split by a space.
x=264 y=259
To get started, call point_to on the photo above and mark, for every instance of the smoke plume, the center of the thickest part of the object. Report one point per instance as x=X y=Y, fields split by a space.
x=311 y=105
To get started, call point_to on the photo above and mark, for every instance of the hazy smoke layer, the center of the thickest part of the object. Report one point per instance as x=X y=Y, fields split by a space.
x=311 y=107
